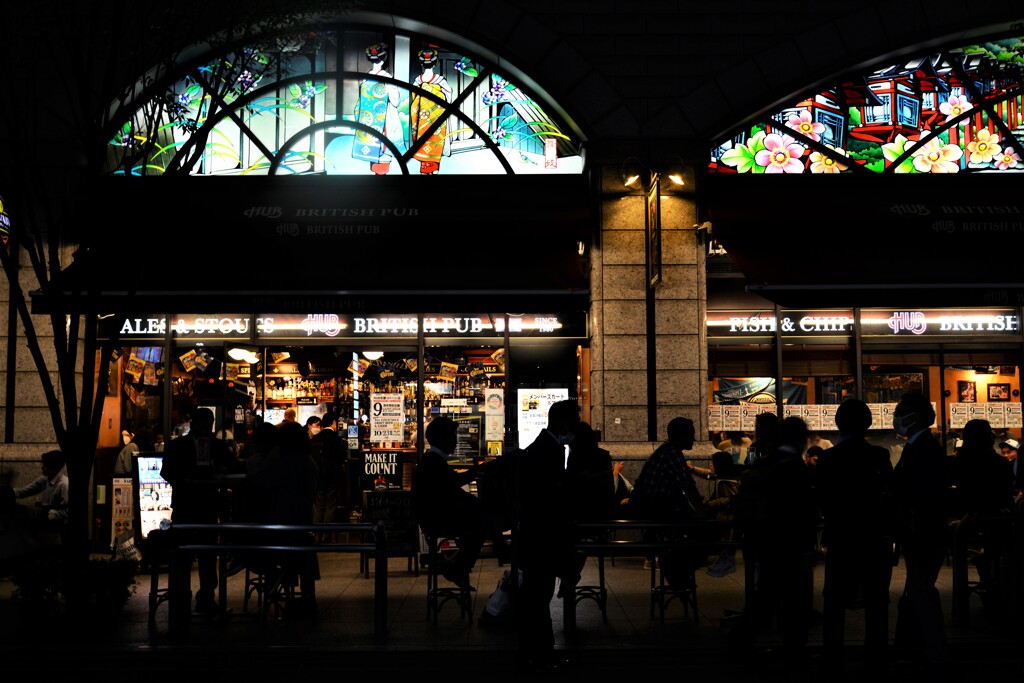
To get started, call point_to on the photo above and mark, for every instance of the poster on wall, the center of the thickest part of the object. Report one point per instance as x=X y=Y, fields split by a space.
x=976 y=411
x=715 y=418
x=121 y=510
x=812 y=416
x=494 y=412
x=532 y=407
x=387 y=417
x=958 y=415
x=732 y=418
x=1013 y=417
x=153 y=495
x=995 y=413
x=828 y=417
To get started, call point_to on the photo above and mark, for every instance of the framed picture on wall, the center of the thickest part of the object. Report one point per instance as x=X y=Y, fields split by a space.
x=966 y=391
x=998 y=392
x=654 y=234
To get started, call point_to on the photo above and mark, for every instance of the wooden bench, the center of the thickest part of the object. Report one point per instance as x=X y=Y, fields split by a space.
x=177 y=545
x=649 y=539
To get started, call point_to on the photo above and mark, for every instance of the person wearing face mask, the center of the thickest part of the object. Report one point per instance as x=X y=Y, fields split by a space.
x=920 y=482
x=544 y=543
x=312 y=426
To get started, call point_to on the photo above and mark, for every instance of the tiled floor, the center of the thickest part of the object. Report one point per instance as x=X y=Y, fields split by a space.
x=344 y=624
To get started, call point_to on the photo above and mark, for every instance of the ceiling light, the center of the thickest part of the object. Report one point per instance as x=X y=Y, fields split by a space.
x=372 y=355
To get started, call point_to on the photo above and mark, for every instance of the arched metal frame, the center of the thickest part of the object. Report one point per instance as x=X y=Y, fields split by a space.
x=993 y=84
x=179 y=102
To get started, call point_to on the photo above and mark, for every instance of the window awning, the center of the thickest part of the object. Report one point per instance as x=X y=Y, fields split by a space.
x=318 y=244
x=847 y=241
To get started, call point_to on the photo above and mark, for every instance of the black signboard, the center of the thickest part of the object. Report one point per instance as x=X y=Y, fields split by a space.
x=395 y=509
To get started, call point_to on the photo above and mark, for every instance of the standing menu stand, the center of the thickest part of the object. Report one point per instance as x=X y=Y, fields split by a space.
x=394 y=508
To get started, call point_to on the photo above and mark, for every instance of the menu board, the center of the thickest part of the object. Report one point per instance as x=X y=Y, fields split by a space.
x=395 y=509
x=467 y=445
x=532 y=408
x=122 y=509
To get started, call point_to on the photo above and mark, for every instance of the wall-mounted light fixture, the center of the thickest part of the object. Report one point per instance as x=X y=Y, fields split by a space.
x=636 y=174
x=631 y=171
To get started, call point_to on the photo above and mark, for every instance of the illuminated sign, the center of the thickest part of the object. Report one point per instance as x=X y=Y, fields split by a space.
x=334 y=325
x=944 y=323
x=793 y=323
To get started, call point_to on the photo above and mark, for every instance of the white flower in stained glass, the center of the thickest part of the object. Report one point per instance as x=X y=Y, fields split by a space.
x=821 y=163
x=935 y=156
x=983 y=148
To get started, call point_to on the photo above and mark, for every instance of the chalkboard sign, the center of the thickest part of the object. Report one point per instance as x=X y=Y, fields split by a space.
x=395 y=509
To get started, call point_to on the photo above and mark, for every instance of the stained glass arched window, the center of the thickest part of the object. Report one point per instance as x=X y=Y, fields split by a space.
x=952 y=111
x=345 y=100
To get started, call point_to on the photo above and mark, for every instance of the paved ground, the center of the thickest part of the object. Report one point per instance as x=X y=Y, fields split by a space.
x=340 y=638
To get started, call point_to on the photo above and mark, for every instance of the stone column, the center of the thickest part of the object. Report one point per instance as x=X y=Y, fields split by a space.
x=618 y=345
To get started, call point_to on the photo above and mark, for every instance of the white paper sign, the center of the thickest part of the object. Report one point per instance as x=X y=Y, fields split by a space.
x=387 y=417
x=532 y=406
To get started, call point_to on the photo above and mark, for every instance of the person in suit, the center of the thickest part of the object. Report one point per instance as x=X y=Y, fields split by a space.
x=443 y=508
x=920 y=482
x=191 y=464
x=543 y=542
x=853 y=488
x=330 y=453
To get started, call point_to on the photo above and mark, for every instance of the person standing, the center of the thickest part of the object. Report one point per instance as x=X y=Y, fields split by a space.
x=854 y=492
x=330 y=453
x=777 y=514
x=191 y=464
x=312 y=426
x=443 y=507
x=920 y=482
x=543 y=541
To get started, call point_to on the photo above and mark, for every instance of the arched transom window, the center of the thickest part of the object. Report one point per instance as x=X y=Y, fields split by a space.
x=343 y=100
x=953 y=111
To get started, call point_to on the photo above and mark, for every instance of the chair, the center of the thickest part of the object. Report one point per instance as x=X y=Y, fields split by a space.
x=438 y=596
x=598 y=593
x=973 y=535
x=662 y=593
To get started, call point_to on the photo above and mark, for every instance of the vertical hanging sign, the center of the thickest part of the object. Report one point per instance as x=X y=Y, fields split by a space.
x=654 y=232
x=5 y=223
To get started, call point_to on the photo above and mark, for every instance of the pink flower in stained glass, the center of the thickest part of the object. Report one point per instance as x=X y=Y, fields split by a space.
x=780 y=155
x=802 y=124
x=1007 y=159
x=954 y=106
x=984 y=147
x=937 y=157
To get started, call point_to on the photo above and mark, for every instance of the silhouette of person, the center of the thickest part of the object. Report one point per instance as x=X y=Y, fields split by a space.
x=191 y=464
x=920 y=481
x=591 y=487
x=985 y=500
x=543 y=542
x=853 y=488
x=330 y=452
x=777 y=513
x=442 y=506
